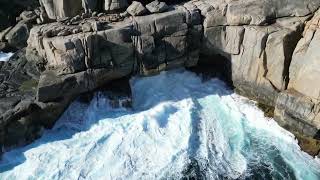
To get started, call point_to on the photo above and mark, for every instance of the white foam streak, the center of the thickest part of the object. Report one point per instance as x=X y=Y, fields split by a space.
x=179 y=127
x=5 y=56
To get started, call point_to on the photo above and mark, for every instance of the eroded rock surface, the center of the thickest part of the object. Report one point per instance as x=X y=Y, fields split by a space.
x=62 y=8
x=269 y=53
x=136 y=9
x=298 y=107
x=157 y=6
x=259 y=40
x=22 y=117
x=81 y=55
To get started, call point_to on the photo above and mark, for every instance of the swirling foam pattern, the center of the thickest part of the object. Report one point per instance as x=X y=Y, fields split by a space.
x=179 y=127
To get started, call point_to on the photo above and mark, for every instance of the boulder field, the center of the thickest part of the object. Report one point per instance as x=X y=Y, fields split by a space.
x=268 y=48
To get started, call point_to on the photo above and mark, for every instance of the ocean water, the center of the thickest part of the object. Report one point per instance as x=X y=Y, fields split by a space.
x=179 y=127
x=5 y=56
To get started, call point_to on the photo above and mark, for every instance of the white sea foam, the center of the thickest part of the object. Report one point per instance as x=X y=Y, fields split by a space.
x=179 y=127
x=5 y=56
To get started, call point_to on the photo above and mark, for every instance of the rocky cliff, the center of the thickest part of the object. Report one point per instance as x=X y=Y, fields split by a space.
x=269 y=50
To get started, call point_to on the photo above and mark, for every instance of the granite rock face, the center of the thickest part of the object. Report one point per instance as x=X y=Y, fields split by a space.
x=76 y=58
x=269 y=52
x=259 y=39
x=259 y=54
x=299 y=105
x=77 y=63
x=62 y=8
x=167 y=40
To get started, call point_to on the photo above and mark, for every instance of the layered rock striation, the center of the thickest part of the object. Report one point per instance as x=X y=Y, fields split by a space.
x=269 y=49
x=298 y=106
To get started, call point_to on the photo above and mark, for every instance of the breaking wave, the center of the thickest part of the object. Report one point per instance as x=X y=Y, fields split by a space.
x=5 y=56
x=178 y=127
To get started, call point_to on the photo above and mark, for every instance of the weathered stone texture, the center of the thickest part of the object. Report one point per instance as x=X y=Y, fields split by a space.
x=271 y=58
x=299 y=105
x=62 y=8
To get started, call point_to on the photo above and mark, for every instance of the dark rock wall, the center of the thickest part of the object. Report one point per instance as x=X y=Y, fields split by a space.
x=10 y=9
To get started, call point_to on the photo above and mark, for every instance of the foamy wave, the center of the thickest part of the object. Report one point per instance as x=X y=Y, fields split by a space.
x=179 y=127
x=5 y=56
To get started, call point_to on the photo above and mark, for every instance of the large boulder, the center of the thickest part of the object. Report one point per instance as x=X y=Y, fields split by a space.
x=157 y=6
x=136 y=9
x=259 y=56
x=17 y=37
x=10 y=9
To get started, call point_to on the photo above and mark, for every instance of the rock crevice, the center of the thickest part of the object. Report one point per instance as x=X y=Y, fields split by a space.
x=270 y=52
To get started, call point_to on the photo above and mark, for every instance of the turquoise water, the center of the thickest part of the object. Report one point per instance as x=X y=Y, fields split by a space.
x=179 y=127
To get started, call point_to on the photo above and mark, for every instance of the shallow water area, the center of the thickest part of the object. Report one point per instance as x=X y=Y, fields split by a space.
x=178 y=127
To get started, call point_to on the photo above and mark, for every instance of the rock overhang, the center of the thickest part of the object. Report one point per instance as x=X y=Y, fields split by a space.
x=259 y=39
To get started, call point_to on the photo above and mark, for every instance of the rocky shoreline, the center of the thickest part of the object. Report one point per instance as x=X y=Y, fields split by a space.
x=266 y=49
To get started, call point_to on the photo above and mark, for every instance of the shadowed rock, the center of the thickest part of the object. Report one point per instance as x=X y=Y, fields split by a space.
x=260 y=41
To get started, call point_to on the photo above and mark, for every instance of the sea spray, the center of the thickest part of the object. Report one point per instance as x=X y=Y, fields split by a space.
x=5 y=56
x=178 y=127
